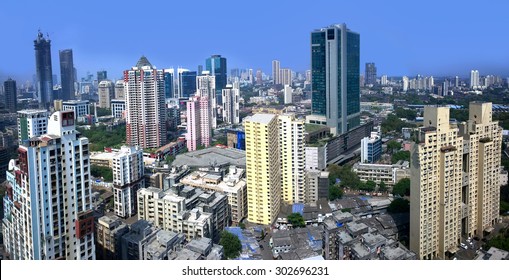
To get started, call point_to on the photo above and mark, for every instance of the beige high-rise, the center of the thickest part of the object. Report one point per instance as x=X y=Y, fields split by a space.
x=263 y=171
x=453 y=196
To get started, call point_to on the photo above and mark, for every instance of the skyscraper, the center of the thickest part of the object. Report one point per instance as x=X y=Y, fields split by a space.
x=292 y=152
x=106 y=93
x=67 y=74
x=102 y=75
x=263 y=171
x=231 y=96
x=128 y=170
x=216 y=65
x=43 y=68
x=186 y=83
x=48 y=207
x=474 y=79
x=169 y=77
x=276 y=65
x=11 y=95
x=335 y=62
x=455 y=190
x=119 y=89
x=206 y=87
x=145 y=105
x=285 y=76
x=370 y=73
x=199 y=126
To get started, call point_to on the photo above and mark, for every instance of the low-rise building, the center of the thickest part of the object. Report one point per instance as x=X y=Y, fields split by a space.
x=198 y=249
x=79 y=107
x=232 y=184
x=317 y=185
x=160 y=245
x=390 y=174
x=109 y=232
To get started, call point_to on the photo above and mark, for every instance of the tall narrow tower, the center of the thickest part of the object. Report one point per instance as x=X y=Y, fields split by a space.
x=44 y=72
x=67 y=74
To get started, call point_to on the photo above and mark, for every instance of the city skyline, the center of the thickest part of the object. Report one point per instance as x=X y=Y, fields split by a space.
x=398 y=41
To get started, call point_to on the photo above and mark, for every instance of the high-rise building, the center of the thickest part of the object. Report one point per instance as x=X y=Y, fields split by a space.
x=405 y=83
x=231 y=107
x=199 y=126
x=288 y=94
x=457 y=82
x=371 y=148
x=216 y=65
x=335 y=70
x=11 y=95
x=101 y=76
x=119 y=90
x=454 y=180
x=67 y=74
x=118 y=108
x=48 y=207
x=31 y=123
x=308 y=76
x=292 y=153
x=276 y=66
x=383 y=80
x=186 y=83
x=106 y=93
x=128 y=171
x=44 y=71
x=169 y=83
x=200 y=69
x=285 y=76
x=259 y=80
x=145 y=105
x=370 y=73
x=263 y=171
x=474 y=79
x=445 y=88
x=206 y=87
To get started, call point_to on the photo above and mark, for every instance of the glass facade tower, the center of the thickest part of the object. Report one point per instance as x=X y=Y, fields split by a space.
x=335 y=56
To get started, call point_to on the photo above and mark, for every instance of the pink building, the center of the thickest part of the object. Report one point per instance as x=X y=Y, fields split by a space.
x=198 y=123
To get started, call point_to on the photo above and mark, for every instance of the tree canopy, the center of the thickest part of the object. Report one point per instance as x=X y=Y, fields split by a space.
x=393 y=146
x=335 y=192
x=401 y=155
x=402 y=187
x=296 y=220
x=231 y=245
x=100 y=171
x=399 y=205
x=101 y=137
x=393 y=123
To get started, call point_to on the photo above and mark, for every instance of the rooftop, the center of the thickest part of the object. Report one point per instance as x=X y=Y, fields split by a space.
x=143 y=61
x=260 y=118
x=211 y=156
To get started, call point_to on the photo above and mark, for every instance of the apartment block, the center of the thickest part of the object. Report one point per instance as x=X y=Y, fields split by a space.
x=128 y=177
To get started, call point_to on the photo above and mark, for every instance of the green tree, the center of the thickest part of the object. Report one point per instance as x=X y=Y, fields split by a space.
x=401 y=155
x=296 y=220
x=382 y=187
x=369 y=186
x=231 y=245
x=402 y=187
x=100 y=171
x=393 y=146
x=335 y=192
x=406 y=113
x=399 y=205
x=102 y=136
x=242 y=226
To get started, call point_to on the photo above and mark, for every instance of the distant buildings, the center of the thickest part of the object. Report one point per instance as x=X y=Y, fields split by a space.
x=263 y=168
x=454 y=180
x=285 y=76
x=11 y=95
x=169 y=76
x=44 y=72
x=145 y=105
x=128 y=177
x=67 y=74
x=118 y=108
x=231 y=107
x=49 y=190
x=101 y=76
x=389 y=174
x=106 y=93
x=474 y=79
x=206 y=87
x=371 y=148
x=288 y=94
x=370 y=74
x=119 y=90
x=335 y=70
x=276 y=65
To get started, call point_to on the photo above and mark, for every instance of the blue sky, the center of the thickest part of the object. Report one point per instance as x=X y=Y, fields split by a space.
x=401 y=37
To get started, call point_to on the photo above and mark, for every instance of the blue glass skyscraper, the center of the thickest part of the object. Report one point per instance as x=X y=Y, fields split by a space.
x=44 y=72
x=186 y=83
x=216 y=65
x=168 y=83
x=335 y=60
